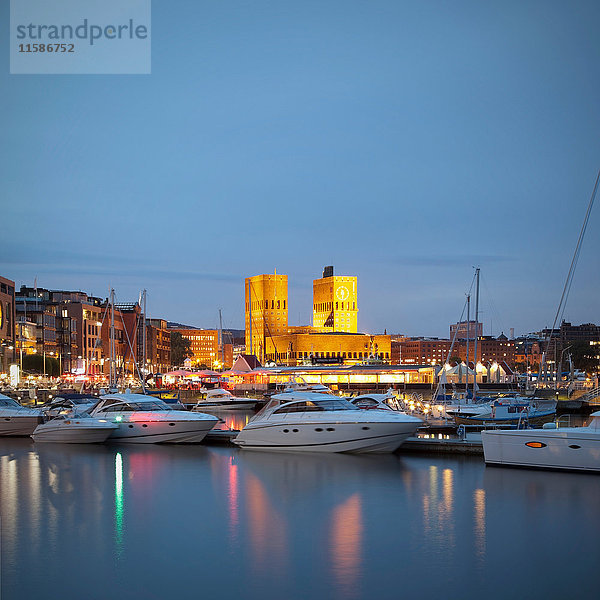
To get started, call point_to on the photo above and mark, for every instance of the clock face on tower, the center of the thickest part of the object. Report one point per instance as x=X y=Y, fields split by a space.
x=342 y=293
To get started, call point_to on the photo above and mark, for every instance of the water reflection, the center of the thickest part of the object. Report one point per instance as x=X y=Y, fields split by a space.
x=231 y=419
x=346 y=546
x=479 y=501
x=438 y=501
x=299 y=526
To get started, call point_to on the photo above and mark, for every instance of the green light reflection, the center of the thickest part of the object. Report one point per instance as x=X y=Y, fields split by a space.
x=119 y=502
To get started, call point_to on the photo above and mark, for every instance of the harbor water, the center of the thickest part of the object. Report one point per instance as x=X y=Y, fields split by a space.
x=152 y=521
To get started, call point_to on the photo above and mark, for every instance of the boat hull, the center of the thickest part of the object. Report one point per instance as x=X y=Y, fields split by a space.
x=536 y=419
x=162 y=432
x=75 y=435
x=327 y=437
x=543 y=449
x=19 y=426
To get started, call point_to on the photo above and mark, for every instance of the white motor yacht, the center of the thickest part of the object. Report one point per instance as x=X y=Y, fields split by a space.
x=220 y=398
x=569 y=448
x=375 y=401
x=315 y=422
x=75 y=402
x=471 y=409
x=74 y=428
x=144 y=419
x=16 y=419
x=300 y=385
x=510 y=410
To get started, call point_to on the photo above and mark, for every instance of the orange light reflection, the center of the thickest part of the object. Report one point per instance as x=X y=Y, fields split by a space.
x=346 y=545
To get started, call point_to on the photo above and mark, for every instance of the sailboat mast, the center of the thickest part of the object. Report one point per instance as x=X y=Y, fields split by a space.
x=468 y=338
x=221 y=347
x=112 y=338
x=144 y=341
x=476 y=333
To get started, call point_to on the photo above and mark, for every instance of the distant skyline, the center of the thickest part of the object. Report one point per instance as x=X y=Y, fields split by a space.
x=401 y=142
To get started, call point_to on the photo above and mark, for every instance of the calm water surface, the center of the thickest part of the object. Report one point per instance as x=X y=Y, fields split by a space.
x=87 y=522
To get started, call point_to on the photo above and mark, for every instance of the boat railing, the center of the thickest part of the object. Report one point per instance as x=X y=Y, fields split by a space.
x=592 y=397
x=462 y=431
x=560 y=421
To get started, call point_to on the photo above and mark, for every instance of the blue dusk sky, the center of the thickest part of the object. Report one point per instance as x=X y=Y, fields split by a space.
x=404 y=142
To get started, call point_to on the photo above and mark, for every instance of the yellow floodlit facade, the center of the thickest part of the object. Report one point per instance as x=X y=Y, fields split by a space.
x=335 y=302
x=204 y=344
x=266 y=311
x=347 y=348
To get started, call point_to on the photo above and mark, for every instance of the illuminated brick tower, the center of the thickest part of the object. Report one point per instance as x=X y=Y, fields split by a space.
x=335 y=302
x=266 y=311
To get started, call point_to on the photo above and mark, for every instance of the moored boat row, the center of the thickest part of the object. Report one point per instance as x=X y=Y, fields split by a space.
x=302 y=421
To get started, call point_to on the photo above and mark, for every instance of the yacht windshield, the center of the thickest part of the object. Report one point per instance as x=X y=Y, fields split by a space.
x=71 y=414
x=9 y=403
x=328 y=405
x=82 y=400
x=146 y=405
x=335 y=404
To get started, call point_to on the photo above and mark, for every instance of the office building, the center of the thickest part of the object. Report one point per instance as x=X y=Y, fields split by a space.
x=7 y=324
x=204 y=345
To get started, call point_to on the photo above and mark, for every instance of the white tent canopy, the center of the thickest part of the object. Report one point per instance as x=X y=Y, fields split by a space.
x=460 y=369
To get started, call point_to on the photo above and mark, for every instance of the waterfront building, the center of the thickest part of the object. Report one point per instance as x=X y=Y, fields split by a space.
x=436 y=351
x=342 y=378
x=158 y=346
x=296 y=348
x=528 y=350
x=204 y=345
x=491 y=349
x=121 y=349
x=266 y=311
x=56 y=327
x=130 y=354
x=332 y=338
x=238 y=350
x=26 y=338
x=227 y=356
x=7 y=324
x=43 y=316
x=423 y=351
x=88 y=334
x=66 y=339
x=464 y=329
x=586 y=332
x=335 y=302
